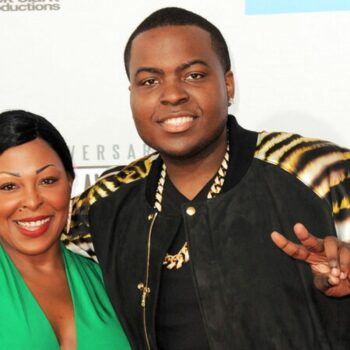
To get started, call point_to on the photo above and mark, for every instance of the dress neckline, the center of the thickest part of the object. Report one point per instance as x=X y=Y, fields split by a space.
x=34 y=301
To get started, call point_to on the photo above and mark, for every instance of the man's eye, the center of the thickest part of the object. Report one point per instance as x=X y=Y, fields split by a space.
x=195 y=76
x=149 y=82
x=8 y=187
x=49 y=180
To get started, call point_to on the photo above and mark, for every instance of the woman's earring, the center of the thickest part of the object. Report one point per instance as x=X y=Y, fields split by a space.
x=69 y=218
x=230 y=101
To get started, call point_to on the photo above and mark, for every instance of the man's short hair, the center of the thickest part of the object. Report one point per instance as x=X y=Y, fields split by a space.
x=175 y=16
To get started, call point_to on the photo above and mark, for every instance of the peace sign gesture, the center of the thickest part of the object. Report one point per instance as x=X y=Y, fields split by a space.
x=329 y=259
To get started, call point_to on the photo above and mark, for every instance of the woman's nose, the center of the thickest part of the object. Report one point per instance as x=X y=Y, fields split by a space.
x=32 y=199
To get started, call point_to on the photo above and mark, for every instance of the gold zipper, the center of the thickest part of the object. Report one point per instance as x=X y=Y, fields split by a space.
x=143 y=287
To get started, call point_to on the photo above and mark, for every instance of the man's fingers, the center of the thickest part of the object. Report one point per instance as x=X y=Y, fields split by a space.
x=322 y=282
x=331 y=246
x=279 y=239
x=344 y=261
x=294 y=250
x=309 y=241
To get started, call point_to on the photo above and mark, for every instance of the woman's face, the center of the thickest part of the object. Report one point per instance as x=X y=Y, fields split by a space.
x=34 y=198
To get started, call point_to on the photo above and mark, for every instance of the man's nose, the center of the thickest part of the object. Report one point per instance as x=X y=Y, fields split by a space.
x=174 y=92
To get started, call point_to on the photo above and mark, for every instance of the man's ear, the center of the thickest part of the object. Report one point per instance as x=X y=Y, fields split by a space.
x=230 y=84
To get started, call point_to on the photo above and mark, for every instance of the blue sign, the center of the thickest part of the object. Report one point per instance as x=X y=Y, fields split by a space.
x=263 y=7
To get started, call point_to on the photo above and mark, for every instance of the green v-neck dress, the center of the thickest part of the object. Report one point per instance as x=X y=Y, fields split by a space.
x=23 y=324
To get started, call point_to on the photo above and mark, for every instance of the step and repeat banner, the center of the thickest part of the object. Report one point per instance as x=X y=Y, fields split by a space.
x=63 y=59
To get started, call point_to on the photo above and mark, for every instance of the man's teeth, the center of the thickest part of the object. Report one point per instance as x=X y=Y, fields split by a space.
x=33 y=224
x=178 y=121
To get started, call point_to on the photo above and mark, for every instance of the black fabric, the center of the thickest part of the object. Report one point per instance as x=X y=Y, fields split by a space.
x=179 y=324
x=242 y=149
x=253 y=296
x=250 y=294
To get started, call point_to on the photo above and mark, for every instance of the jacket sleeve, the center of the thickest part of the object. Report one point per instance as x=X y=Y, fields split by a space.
x=321 y=165
x=79 y=237
x=337 y=193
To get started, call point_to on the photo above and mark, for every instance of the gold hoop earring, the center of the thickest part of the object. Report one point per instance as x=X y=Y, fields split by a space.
x=69 y=217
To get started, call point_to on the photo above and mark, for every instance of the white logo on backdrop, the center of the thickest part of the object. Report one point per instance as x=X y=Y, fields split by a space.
x=100 y=158
x=29 y=5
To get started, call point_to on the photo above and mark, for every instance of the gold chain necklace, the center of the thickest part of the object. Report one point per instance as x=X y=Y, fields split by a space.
x=183 y=256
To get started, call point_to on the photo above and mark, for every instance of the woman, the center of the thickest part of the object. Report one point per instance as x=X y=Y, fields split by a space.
x=50 y=298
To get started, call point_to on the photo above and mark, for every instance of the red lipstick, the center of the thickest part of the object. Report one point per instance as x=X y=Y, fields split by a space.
x=33 y=226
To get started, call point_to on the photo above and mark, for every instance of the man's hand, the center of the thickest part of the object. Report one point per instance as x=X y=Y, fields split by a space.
x=328 y=258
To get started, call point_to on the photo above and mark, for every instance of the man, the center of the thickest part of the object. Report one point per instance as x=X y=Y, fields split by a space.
x=183 y=236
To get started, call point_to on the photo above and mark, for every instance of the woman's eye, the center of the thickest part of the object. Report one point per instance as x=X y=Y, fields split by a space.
x=49 y=180
x=8 y=187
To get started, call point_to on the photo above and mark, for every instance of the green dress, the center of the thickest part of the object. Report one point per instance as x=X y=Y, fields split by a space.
x=23 y=324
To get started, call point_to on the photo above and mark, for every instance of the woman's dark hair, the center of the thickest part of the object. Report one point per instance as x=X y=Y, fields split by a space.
x=18 y=127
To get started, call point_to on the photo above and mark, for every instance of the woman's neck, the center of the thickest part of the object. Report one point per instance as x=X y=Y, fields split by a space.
x=45 y=262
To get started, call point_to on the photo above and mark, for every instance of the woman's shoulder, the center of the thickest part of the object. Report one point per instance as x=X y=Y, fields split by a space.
x=81 y=263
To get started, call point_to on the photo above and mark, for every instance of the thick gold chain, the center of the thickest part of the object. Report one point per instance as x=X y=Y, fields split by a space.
x=183 y=256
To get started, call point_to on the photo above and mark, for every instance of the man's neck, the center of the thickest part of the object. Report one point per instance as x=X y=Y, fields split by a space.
x=191 y=175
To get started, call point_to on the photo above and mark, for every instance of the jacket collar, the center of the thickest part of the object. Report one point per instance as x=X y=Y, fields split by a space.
x=242 y=149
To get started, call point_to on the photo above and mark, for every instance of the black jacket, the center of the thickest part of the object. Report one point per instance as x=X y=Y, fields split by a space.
x=251 y=295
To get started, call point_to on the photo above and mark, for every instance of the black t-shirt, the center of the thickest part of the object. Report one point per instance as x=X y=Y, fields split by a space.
x=179 y=323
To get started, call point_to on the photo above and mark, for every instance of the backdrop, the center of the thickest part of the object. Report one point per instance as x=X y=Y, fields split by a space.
x=63 y=59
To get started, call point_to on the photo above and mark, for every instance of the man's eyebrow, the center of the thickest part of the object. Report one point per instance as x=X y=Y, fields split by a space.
x=36 y=171
x=191 y=63
x=181 y=67
x=148 y=70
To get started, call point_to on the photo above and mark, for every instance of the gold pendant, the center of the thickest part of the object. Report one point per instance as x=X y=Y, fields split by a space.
x=177 y=260
x=145 y=291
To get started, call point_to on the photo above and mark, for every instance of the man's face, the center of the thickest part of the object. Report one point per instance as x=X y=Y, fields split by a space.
x=178 y=90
